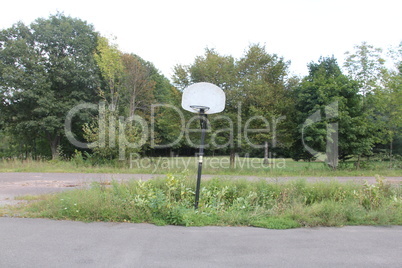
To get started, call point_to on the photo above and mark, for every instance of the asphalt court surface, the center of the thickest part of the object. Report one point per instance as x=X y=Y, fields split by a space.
x=49 y=243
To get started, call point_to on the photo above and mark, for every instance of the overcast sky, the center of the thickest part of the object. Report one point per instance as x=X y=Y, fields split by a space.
x=174 y=32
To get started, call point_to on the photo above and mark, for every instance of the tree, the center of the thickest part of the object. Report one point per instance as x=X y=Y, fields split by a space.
x=129 y=92
x=262 y=87
x=365 y=65
x=132 y=86
x=326 y=97
x=388 y=112
x=165 y=118
x=380 y=89
x=255 y=87
x=393 y=109
x=45 y=70
x=109 y=59
x=139 y=88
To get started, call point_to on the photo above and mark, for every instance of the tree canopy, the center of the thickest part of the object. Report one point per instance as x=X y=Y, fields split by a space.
x=46 y=68
x=54 y=64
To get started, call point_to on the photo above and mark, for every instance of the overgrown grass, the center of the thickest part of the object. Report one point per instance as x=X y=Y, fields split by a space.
x=226 y=202
x=212 y=165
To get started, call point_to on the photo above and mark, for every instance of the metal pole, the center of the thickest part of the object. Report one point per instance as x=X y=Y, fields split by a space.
x=201 y=154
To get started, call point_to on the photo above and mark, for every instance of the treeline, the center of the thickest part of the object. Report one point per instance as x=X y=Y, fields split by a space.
x=326 y=114
x=55 y=64
x=58 y=63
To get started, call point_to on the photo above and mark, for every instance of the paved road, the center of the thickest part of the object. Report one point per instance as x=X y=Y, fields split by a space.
x=17 y=183
x=48 y=243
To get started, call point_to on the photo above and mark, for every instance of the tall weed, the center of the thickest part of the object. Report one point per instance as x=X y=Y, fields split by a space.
x=228 y=202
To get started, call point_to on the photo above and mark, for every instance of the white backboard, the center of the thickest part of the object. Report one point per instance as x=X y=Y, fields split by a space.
x=205 y=96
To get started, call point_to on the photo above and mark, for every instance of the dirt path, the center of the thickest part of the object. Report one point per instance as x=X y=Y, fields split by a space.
x=18 y=184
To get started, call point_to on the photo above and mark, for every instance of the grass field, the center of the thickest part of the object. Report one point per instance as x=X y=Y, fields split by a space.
x=225 y=203
x=212 y=165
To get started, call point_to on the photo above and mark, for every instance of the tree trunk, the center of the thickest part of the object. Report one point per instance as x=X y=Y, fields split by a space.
x=54 y=144
x=232 y=158
x=390 y=154
x=132 y=101
x=34 y=156
x=358 y=162
x=266 y=151
x=20 y=153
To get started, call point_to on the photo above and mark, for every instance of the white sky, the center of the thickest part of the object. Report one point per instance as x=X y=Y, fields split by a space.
x=170 y=32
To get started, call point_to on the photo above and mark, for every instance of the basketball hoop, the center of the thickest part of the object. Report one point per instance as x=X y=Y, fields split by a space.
x=199 y=108
x=202 y=98
x=205 y=96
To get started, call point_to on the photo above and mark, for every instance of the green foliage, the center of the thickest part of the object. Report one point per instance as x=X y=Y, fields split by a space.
x=211 y=67
x=381 y=92
x=77 y=158
x=387 y=113
x=255 y=86
x=227 y=202
x=45 y=70
x=324 y=86
x=371 y=195
x=366 y=65
x=114 y=139
x=108 y=59
x=165 y=118
x=263 y=93
x=52 y=65
x=276 y=223
x=55 y=63
x=138 y=85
